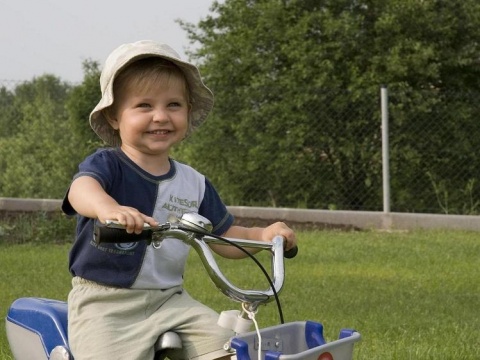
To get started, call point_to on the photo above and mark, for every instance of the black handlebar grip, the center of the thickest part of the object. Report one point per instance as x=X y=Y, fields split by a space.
x=104 y=234
x=291 y=253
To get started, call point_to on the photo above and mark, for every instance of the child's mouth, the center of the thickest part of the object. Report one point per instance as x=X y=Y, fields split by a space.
x=159 y=132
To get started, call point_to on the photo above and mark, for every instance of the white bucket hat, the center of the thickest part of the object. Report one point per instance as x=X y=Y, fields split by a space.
x=201 y=97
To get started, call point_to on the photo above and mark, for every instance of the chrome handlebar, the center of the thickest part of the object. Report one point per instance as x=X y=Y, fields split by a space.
x=194 y=230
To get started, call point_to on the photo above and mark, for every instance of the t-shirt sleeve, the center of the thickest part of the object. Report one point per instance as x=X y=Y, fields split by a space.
x=98 y=166
x=213 y=208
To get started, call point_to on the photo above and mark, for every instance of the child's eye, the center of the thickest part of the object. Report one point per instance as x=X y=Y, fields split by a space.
x=143 y=105
x=174 y=104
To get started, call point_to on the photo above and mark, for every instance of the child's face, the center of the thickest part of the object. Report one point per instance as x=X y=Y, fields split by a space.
x=151 y=121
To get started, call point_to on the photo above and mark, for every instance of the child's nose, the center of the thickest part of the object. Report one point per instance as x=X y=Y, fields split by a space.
x=160 y=114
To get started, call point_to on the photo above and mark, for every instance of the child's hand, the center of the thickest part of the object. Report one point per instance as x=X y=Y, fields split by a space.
x=280 y=228
x=131 y=218
x=255 y=233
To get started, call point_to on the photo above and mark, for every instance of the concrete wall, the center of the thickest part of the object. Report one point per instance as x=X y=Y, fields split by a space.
x=358 y=219
x=364 y=219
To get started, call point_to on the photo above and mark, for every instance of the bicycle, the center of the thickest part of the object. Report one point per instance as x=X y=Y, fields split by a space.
x=37 y=327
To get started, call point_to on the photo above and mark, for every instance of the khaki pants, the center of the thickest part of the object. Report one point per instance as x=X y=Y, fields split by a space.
x=113 y=323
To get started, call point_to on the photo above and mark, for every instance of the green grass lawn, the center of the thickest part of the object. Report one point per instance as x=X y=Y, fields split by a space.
x=411 y=295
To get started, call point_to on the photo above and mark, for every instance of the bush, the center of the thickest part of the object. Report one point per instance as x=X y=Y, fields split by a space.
x=36 y=227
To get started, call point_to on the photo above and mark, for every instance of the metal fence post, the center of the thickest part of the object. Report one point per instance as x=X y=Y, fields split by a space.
x=385 y=148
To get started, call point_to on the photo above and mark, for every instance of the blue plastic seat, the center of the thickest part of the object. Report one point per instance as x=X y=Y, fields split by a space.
x=45 y=317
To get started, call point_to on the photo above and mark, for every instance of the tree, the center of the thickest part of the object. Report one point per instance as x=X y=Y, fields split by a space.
x=35 y=158
x=8 y=113
x=81 y=101
x=40 y=153
x=297 y=83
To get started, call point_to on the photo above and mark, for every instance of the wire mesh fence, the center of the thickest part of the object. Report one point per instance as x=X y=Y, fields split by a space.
x=336 y=161
x=433 y=145
x=432 y=155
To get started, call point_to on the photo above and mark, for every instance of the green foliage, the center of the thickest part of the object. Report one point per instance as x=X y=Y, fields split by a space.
x=443 y=136
x=8 y=113
x=46 y=134
x=276 y=67
x=36 y=228
x=35 y=159
x=80 y=103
